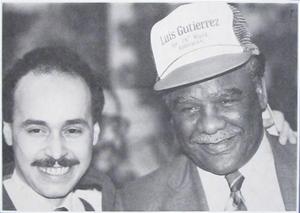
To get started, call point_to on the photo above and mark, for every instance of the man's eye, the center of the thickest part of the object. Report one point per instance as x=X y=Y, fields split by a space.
x=73 y=131
x=36 y=131
x=228 y=101
x=189 y=109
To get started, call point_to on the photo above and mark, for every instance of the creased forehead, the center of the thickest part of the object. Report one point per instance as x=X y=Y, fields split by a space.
x=230 y=84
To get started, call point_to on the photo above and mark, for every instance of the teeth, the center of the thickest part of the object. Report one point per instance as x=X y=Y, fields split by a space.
x=55 y=170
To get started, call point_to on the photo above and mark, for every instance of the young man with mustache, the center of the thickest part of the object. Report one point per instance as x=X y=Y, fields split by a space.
x=51 y=106
x=211 y=77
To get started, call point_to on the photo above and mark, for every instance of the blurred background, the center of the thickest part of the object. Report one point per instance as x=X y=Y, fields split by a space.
x=115 y=40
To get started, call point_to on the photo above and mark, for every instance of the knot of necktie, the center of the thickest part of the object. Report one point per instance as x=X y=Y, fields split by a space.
x=61 y=209
x=236 y=202
x=235 y=181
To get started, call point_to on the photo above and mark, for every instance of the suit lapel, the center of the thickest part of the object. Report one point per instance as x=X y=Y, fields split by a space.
x=6 y=201
x=185 y=188
x=285 y=158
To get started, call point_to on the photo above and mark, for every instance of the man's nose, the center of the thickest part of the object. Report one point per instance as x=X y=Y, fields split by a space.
x=56 y=146
x=210 y=121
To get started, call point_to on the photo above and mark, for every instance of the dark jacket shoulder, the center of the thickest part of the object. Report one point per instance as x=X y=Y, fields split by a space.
x=93 y=178
x=134 y=195
x=285 y=158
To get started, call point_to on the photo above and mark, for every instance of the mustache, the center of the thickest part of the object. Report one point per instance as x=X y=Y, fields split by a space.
x=219 y=136
x=50 y=162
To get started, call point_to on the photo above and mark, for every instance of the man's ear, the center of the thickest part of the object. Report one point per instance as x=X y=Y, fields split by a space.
x=261 y=92
x=7 y=132
x=96 y=133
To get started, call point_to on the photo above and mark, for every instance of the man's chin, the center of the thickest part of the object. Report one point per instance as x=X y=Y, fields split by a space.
x=222 y=172
x=53 y=192
x=221 y=168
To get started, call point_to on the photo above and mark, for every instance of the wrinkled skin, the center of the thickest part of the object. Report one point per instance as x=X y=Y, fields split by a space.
x=218 y=122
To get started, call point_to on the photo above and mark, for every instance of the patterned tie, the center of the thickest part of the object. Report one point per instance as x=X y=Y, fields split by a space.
x=61 y=209
x=236 y=201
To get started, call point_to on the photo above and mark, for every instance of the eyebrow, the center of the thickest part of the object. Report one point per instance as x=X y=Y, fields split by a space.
x=224 y=93
x=76 y=121
x=43 y=123
x=229 y=92
x=33 y=122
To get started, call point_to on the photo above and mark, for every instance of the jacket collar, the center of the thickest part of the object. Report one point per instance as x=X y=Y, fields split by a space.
x=285 y=157
x=186 y=188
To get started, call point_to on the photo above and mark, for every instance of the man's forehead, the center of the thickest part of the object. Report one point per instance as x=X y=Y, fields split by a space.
x=194 y=94
x=52 y=97
x=229 y=84
x=46 y=80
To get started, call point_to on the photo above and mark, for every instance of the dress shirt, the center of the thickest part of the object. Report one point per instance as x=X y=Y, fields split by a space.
x=260 y=188
x=25 y=198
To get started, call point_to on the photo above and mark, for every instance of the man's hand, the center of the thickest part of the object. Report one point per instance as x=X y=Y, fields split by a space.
x=274 y=121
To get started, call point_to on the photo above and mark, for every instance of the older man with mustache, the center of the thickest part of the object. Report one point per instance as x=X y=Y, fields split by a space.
x=211 y=77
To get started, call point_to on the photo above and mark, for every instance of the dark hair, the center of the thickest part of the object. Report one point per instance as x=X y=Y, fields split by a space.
x=46 y=60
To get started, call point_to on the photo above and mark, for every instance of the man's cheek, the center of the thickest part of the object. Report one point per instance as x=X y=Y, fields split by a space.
x=184 y=130
x=238 y=115
x=234 y=116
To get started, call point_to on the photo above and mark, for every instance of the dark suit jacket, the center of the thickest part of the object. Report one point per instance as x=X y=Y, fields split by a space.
x=177 y=185
x=92 y=179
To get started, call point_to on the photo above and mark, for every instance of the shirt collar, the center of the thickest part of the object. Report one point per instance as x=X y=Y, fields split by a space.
x=264 y=152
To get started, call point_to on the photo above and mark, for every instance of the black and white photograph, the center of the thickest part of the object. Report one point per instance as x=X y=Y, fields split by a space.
x=150 y=106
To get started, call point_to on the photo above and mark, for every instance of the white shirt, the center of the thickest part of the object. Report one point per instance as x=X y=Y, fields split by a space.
x=25 y=198
x=260 y=188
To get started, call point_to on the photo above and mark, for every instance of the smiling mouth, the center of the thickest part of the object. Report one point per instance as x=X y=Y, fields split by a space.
x=55 y=171
x=222 y=147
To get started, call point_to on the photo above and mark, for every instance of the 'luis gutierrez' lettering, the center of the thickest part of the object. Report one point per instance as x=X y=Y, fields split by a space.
x=181 y=30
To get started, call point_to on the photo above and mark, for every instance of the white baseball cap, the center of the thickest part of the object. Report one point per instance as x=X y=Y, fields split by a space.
x=199 y=41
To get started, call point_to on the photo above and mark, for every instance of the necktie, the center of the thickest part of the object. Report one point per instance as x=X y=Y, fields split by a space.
x=236 y=201
x=61 y=209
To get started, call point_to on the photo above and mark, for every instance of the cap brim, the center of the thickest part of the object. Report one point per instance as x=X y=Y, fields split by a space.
x=201 y=70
